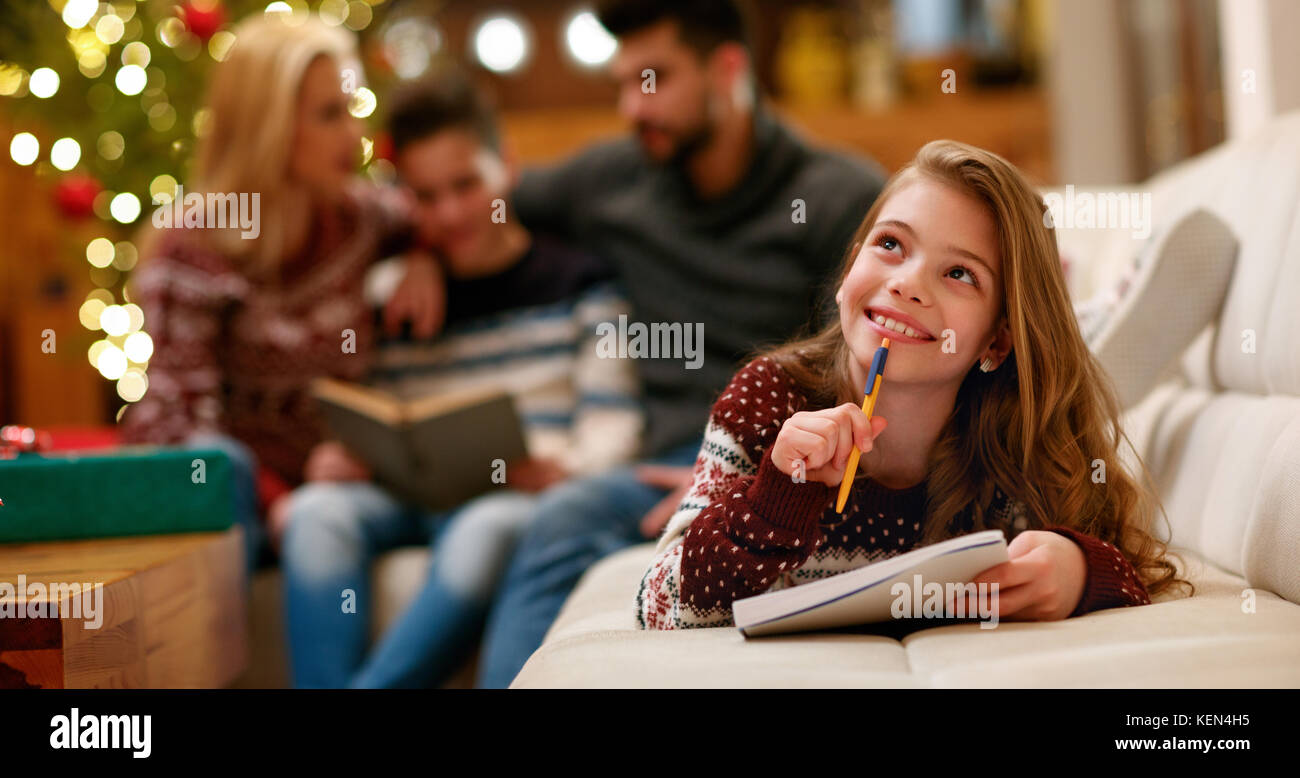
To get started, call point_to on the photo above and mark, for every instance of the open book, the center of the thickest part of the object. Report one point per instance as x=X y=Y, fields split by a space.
x=436 y=451
x=864 y=595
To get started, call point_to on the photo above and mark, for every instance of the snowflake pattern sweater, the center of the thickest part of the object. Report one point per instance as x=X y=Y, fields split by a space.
x=745 y=528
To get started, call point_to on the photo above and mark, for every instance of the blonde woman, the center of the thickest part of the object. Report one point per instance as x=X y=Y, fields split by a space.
x=244 y=318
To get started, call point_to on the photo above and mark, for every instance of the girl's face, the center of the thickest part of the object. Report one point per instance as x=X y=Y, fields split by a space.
x=327 y=139
x=931 y=262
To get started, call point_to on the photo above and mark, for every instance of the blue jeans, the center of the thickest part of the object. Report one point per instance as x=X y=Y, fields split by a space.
x=243 y=466
x=335 y=532
x=576 y=524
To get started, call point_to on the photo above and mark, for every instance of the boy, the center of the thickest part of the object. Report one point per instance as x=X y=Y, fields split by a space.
x=519 y=312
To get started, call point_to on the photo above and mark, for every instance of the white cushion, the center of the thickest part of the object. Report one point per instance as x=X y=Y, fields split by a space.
x=1205 y=640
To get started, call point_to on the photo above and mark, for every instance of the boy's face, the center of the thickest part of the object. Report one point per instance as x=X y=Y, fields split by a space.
x=931 y=256
x=674 y=118
x=454 y=180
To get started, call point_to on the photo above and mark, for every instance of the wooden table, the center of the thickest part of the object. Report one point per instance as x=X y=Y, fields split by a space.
x=173 y=613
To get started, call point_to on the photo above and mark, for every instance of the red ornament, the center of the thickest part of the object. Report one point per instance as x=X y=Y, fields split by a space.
x=203 y=17
x=75 y=195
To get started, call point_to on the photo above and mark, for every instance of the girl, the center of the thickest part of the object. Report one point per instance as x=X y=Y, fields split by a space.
x=954 y=264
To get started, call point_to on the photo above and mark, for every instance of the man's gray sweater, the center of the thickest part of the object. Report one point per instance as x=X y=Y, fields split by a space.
x=753 y=267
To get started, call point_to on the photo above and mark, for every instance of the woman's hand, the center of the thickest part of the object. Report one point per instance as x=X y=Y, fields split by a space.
x=1043 y=580
x=823 y=440
x=331 y=461
x=421 y=297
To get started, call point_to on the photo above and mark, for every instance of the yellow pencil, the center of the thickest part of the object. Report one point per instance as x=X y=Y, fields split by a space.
x=872 y=390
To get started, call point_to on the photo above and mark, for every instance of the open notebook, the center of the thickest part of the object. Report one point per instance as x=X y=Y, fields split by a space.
x=863 y=596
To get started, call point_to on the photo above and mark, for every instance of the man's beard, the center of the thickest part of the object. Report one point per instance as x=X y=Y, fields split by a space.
x=690 y=145
x=693 y=139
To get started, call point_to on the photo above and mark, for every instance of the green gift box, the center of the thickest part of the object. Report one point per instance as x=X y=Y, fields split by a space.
x=130 y=491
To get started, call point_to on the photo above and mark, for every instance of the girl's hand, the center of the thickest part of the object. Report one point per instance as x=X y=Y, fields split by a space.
x=823 y=440
x=1043 y=580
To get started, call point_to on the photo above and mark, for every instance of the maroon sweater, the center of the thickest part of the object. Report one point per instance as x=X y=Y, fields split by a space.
x=745 y=527
x=237 y=357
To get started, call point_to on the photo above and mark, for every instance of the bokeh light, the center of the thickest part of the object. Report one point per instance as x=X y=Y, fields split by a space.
x=114 y=320
x=111 y=144
x=588 y=42
x=65 y=153
x=89 y=314
x=111 y=362
x=132 y=385
x=24 y=148
x=131 y=79
x=125 y=255
x=99 y=252
x=44 y=82
x=136 y=53
x=219 y=45
x=78 y=13
x=501 y=44
x=125 y=207
x=110 y=28
x=362 y=103
x=138 y=347
x=411 y=44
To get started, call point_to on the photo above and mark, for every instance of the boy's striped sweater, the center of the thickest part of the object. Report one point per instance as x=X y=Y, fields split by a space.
x=745 y=527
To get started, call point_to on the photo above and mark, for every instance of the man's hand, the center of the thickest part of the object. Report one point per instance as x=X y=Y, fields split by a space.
x=331 y=461
x=421 y=297
x=1042 y=581
x=666 y=477
x=532 y=474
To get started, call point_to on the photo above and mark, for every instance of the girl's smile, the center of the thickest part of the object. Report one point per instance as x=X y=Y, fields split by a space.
x=897 y=327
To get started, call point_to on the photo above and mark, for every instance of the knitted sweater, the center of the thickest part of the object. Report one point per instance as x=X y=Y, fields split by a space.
x=533 y=330
x=745 y=528
x=237 y=357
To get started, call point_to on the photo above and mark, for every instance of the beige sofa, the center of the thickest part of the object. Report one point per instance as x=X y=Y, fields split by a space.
x=1221 y=436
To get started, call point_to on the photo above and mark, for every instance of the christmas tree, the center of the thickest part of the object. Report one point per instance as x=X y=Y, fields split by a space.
x=106 y=102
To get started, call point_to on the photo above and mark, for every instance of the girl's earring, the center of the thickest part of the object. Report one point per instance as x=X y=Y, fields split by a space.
x=986 y=365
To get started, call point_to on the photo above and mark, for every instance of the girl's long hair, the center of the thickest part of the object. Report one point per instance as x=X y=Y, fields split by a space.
x=1044 y=424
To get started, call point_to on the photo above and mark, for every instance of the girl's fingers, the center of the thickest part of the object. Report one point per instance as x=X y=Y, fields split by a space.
x=808 y=446
x=829 y=431
x=843 y=445
x=864 y=430
x=1013 y=601
x=1008 y=574
x=1006 y=603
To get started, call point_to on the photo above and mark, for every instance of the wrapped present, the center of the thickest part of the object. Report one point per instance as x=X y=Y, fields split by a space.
x=142 y=490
